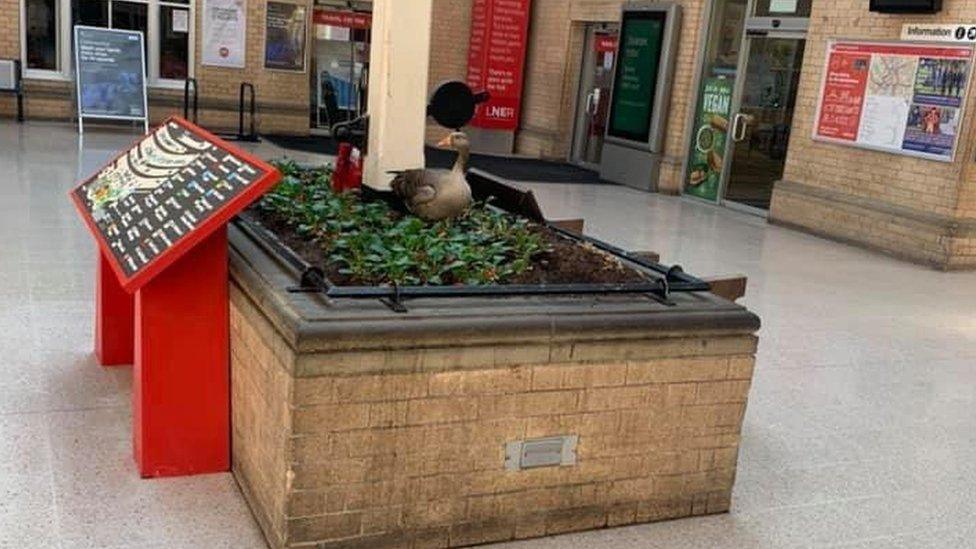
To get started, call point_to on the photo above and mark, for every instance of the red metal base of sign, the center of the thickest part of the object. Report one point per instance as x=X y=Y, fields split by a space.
x=181 y=379
x=114 y=318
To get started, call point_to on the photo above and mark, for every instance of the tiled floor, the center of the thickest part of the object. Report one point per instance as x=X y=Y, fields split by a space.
x=861 y=428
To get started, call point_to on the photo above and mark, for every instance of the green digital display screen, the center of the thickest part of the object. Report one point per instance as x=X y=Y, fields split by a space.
x=635 y=82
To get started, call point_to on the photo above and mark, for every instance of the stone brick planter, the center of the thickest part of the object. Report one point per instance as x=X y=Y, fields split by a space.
x=357 y=426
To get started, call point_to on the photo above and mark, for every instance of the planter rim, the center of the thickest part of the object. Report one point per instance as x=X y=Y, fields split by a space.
x=312 y=322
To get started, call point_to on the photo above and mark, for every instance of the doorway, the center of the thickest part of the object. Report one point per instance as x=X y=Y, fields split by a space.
x=340 y=58
x=593 y=98
x=747 y=94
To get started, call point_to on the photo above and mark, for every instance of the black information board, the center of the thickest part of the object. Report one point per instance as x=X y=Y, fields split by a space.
x=155 y=198
x=111 y=73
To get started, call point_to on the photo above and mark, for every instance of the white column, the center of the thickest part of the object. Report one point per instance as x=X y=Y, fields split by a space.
x=397 y=103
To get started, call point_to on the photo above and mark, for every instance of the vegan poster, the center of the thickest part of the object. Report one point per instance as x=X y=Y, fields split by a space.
x=284 y=37
x=710 y=138
x=894 y=97
x=224 y=33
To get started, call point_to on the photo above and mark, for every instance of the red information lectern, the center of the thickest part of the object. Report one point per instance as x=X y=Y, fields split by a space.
x=159 y=213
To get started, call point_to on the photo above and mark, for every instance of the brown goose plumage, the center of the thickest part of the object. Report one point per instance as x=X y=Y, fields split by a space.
x=436 y=194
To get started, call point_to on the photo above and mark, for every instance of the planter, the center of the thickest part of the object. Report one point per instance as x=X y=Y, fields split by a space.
x=478 y=419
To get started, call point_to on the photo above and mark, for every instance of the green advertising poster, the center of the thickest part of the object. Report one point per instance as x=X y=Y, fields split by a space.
x=708 y=142
x=636 y=78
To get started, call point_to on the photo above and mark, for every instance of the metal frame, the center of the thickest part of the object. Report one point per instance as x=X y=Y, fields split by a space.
x=313 y=280
x=587 y=65
x=145 y=97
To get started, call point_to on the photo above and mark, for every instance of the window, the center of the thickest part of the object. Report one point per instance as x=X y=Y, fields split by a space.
x=167 y=26
x=41 y=51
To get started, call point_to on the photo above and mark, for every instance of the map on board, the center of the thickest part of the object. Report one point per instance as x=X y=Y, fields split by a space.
x=896 y=97
x=149 y=199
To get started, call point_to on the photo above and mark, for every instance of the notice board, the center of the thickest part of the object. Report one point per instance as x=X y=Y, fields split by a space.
x=170 y=190
x=636 y=76
x=111 y=73
x=496 y=60
x=897 y=97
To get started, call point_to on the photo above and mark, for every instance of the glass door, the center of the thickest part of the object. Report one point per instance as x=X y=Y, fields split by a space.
x=592 y=104
x=761 y=125
x=716 y=88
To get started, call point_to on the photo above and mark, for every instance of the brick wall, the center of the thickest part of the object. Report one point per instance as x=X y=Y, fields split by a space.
x=863 y=196
x=390 y=459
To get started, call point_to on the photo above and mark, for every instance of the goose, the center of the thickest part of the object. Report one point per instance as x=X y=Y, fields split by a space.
x=434 y=194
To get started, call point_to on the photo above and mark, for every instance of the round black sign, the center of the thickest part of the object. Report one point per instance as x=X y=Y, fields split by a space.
x=452 y=104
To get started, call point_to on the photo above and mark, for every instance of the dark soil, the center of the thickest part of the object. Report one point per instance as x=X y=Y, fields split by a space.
x=567 y=262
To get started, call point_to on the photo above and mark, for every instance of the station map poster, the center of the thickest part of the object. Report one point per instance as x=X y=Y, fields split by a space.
x=284 y=37
x=635 y=82
x=111 y=81
x=224 y=33
x=165 y=194
x=901 y=98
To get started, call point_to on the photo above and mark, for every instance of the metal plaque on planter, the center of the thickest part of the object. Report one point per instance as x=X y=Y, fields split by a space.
x=167 y=192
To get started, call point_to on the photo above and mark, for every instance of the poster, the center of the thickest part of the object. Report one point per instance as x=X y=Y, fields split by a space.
x=149 y=202
x=181 y=20
x=900 y=98
x=711 y=135
x=284 y=37
x=496 y=60
x=635 y=84
x=111 y=73
x=224 y=33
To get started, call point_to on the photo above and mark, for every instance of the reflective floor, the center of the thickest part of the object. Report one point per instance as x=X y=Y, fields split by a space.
x=860 y=432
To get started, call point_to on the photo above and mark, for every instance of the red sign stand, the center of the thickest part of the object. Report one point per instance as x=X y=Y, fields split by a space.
x=114 y=318
x=159 y=213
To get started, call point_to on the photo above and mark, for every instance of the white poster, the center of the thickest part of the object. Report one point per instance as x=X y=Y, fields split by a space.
x=782 y=6
x=181 y=21
x=224 y=33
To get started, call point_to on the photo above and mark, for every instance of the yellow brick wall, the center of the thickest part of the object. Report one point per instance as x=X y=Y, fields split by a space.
x=395 y=459
x=882 y=181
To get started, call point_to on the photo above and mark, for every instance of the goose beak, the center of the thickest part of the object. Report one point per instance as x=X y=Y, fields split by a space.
x=445 y=143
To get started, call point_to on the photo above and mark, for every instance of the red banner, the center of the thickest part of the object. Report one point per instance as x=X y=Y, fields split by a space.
x=843 y=95
x=347 y=19
x=496 y=60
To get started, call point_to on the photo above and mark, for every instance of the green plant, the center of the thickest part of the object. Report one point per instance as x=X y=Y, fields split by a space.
x=373 y=244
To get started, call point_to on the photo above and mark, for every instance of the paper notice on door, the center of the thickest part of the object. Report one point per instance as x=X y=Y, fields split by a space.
x=608 y=60
x=782 y=6
x=181 y=21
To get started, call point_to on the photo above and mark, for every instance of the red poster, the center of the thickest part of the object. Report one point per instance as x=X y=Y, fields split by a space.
x=843 y=95
x=496 y=60
x=605 y=44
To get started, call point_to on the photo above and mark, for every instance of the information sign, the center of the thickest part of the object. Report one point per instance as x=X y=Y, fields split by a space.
x=111 y=74
x=224 y=33
x=894 y=97
x=167 y=192
x=635 y=82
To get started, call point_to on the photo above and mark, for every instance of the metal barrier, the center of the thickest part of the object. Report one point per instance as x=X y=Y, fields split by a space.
x=191 y=83
x=11 y=81
x=252 y=134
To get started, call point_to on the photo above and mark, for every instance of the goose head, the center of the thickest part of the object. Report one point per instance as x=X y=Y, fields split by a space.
x=457 y=141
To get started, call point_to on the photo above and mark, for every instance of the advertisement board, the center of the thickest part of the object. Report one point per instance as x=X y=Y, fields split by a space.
x=896 y=97
x=496 y=60
x=224 y=33
x=164 y=194
x=284 y=37
x=111 y=74
x=635 y=82
x=707 y=154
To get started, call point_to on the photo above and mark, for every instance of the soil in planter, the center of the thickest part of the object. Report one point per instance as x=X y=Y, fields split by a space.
x=563 y=261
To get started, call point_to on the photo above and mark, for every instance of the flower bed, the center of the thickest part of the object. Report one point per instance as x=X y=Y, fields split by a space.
x=358 y=242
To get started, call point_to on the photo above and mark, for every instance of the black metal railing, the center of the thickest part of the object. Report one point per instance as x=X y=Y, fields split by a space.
x=188 y=99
